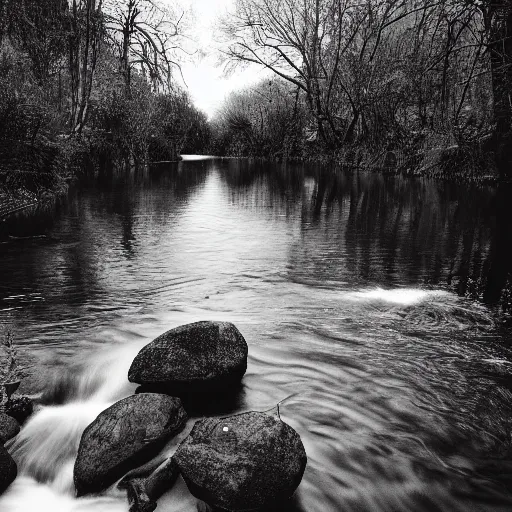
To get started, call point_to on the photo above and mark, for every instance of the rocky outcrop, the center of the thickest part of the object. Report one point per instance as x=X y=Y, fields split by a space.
x=9 y=427
x=8 y=470
x=124 y=436
x=244 y=462
x=199 y=357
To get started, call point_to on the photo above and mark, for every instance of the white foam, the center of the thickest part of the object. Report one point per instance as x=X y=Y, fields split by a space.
x=48 y=443
x=196 y=157
x=405 y=296
x=107 y=372
x=26 y=495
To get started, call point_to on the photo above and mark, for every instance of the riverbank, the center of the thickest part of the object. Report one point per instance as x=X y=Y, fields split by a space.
x=432 y=157
x=34 y=174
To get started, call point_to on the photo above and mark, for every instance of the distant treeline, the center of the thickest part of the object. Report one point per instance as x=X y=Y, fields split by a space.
x=416 y=85
x=87 y=86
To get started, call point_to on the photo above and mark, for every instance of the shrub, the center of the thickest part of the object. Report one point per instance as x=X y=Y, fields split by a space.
x=10 y=369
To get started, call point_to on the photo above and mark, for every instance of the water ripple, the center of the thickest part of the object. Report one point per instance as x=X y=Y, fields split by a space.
x=400 y=388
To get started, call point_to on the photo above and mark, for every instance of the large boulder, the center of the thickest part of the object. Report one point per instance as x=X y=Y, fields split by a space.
x=198 y=357
x=9 y=427
x=8 y=470
x=124 y=436
x=244 y=462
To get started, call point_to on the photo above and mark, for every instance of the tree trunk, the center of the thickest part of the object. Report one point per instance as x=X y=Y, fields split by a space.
x=350 y=134
x=444 y=82
x=173 y=151
x=84 y=43
x=128 y=28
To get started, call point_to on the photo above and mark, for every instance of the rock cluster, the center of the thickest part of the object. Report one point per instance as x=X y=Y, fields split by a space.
x=243 y=462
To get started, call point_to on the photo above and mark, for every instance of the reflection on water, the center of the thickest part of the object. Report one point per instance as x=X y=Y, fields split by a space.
x=369 y=304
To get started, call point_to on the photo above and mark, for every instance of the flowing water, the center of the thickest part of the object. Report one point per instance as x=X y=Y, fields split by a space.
x=370 y=304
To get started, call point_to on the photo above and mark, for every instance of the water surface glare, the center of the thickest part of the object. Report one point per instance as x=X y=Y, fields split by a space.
x=368 y=303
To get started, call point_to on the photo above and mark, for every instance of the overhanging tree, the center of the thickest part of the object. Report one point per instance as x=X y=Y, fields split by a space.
x=311 y=43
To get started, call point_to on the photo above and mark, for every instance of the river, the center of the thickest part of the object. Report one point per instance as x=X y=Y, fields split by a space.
x=372 y=306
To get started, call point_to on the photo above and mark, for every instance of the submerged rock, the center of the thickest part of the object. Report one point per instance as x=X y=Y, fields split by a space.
x=198 y=357
x=138 y=498
x=8 y=469
x=9 y=427
x=124 y=436
x=244 y=462
x=19 y=408
x=143 y=493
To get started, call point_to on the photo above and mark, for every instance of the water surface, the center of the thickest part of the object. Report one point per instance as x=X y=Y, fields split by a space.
x=372 y=307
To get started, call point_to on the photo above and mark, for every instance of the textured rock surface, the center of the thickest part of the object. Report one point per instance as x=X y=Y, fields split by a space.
x=8 y=470
x=20 y=408
x=9 y=427
x=198 y=357
x=244 y=462
x=124 y=436
x=143 y=493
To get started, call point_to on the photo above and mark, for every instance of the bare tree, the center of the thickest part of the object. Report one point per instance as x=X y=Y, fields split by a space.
x=147 y=36
x=85 y=34
x=39 y=28
x=310 y=43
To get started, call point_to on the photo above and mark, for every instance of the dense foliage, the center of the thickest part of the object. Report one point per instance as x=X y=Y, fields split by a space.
x=384 y=82
x=266 y=120
x=87 y=86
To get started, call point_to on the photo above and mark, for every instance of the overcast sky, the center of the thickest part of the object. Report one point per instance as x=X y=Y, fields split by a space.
x=206 y=82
